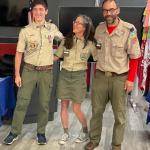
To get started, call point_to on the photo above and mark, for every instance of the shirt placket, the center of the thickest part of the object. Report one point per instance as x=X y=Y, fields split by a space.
x=75 y=55
x=40 y=47
x=107 y=51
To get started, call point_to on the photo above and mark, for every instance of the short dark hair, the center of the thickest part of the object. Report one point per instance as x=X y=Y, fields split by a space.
x=104 y=1
x=37 y=2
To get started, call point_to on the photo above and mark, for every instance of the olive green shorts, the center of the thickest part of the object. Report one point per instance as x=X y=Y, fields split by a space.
x=72 y=85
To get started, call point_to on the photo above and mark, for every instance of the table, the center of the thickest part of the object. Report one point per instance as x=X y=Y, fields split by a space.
x=7 y=97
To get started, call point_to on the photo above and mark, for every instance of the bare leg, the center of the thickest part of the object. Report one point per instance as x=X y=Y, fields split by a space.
x=64 y=113
x=80 y=115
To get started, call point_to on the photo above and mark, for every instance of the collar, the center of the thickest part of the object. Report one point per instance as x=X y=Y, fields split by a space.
x=75 y=38
x=118 y=30
x=35 y=25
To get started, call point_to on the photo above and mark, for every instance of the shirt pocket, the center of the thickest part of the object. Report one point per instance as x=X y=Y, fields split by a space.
x=84 y=54
x=32 y=43
x=48 y=38
x=118 y=49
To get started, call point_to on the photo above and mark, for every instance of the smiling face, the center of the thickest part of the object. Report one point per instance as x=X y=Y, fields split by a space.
x=110 y=12
x=79 y=26
x=39 y=12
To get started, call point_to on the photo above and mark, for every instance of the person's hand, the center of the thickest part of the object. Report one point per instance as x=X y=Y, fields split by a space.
x=55 y=58
x=18 y=80
x=128 y=86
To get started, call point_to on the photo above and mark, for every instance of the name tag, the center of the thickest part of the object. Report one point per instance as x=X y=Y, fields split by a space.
x=98 y=45
x=66 y=52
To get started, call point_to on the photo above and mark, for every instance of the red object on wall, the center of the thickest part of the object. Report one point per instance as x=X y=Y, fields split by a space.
x=7 y=48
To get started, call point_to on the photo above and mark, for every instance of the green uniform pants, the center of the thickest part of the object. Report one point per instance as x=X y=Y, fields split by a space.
x=31 y=79
x=104 y=89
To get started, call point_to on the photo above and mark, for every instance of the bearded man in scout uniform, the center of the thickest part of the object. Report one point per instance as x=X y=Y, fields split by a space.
x=35 y=42
x=117 y=60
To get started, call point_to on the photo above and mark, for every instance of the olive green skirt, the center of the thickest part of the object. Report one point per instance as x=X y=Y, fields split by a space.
x=72 y=85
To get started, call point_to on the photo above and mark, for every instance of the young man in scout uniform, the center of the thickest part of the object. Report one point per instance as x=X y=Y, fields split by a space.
x=117 y=60
x=35 y=42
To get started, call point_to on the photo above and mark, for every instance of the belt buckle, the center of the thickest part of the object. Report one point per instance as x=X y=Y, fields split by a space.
x=108 y=74
x=38 y=68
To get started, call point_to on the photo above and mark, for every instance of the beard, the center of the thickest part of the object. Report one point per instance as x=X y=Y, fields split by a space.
x=110 y=19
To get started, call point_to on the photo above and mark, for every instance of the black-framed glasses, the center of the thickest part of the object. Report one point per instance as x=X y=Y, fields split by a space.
x=112 y=10
x=78 y=23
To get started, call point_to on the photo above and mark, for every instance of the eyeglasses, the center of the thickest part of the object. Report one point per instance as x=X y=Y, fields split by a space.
x=112 y=10
x=78 y=23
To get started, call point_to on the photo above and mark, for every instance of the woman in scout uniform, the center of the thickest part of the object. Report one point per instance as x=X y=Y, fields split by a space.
x=75 y=50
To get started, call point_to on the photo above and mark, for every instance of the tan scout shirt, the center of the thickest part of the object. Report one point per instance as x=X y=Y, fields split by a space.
x=75 y=59
x=116 y=48
x=36 y=43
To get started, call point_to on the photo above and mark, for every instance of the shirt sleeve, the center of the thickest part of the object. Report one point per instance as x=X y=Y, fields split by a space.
x=133 y=64
x=21 y=45
x=59 y=52
x=133 y=47
x=57 y=34
x=93 y=51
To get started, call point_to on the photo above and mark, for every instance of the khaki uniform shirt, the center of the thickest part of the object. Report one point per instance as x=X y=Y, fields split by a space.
x=116 y=48
x=36 y=43
x=75 y=59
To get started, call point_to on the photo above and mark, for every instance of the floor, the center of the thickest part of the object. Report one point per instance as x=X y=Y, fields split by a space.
x=137 y=134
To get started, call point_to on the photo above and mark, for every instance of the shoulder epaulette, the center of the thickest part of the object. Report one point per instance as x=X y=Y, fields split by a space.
x=129 y=26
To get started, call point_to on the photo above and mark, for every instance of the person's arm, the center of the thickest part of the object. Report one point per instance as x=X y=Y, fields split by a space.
x=133 y=50
x=93 y=51
x=18 y=59
x=57 y=34
x=59 y=52
x=56 y=58
x=133 y=64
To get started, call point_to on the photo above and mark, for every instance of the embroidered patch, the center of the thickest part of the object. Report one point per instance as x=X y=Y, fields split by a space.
x=32 y=45
x=132 y=36
x=49 y=38
x=133 y=40
x=83 y=56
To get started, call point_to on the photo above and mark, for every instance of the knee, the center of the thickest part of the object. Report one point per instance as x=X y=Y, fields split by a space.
x=64 y=106
x=120 y=118
x=22 y=104
x=44 y=106
x=97 y=111
x=76 y=109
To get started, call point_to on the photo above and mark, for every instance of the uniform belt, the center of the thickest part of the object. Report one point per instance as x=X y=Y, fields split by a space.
x=38 y=68
x=110 y=74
